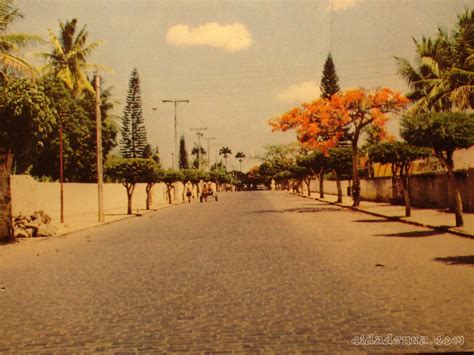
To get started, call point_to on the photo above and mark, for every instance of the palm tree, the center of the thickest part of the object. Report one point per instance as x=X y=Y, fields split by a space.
x=200 y=153
x=442 y=77
x=240 y=156
x=11 y=43
x=225 y=151
x=68 y=57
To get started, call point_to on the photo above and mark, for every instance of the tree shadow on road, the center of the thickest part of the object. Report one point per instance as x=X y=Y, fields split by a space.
x=413 y=234
x=457 y=260
x=301 y=210
x=384 y=220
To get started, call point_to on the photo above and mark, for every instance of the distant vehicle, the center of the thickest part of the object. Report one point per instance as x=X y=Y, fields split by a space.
x=261 y=187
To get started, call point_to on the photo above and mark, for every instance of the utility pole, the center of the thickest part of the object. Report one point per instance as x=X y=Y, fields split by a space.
x=199 y=135
x=209 y=151
x=175 y=125
x=100 y=173
x=61 y=168
x=172 y=161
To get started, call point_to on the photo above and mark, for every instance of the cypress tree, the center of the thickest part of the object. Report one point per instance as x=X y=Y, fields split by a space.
x=133 y=142
x=183 y=154
x=329 y=80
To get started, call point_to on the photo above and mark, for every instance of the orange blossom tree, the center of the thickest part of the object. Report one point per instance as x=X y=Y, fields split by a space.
x=324 y=123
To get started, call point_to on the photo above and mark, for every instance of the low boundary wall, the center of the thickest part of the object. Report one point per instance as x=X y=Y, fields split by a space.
x=426 y=190
x=29 y=195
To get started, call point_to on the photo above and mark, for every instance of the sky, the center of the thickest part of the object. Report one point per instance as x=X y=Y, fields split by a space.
x=241 y=62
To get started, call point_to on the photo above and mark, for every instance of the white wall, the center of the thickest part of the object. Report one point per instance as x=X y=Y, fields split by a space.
x=29 y=195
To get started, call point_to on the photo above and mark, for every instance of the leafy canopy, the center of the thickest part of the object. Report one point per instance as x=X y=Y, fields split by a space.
x=446 y=131
x=133 y=170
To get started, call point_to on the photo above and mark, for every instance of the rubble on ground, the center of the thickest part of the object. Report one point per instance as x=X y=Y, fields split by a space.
x=37 y=224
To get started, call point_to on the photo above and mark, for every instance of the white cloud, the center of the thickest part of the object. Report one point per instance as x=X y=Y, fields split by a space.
x=341 y=5
x=298 y=93
x=230 y=38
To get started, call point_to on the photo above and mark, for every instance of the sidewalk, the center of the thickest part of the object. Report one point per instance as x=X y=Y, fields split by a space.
x=89 y=220
x=425 y=217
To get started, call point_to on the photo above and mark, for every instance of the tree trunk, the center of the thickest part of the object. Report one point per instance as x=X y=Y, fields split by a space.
x=321 y=184
x=130 y=188
x=355 y=173
x=168 y=190
x=6 y=225
x=308 y=186
x=339 y=187
x=406 y=194
x=149 y=196
x=456 y=194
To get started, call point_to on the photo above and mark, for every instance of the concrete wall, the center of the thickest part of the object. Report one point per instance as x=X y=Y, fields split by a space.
x=377 y=189
x=426 y=190
x=29 y=195
x=330 y=187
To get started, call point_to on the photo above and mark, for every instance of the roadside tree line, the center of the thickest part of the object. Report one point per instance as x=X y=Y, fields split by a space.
x=130 y=171
x=436 y=116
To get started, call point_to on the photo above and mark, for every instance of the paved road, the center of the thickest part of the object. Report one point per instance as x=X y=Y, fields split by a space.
x=256 y=271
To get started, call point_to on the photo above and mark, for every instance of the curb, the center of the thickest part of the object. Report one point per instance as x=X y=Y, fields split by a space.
x=129 y=216
x=394 y=219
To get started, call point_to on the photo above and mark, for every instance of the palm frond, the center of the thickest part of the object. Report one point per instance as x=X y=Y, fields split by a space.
x=17 y=64
x=461 y=96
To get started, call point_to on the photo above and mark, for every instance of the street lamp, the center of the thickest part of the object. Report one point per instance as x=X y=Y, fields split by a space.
x=175 y=125
x=209 y=150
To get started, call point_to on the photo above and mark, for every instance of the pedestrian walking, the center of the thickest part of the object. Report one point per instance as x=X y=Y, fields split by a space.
x=204 y=192
x=189 y=190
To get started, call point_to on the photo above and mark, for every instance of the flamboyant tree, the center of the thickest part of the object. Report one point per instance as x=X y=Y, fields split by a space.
x=322 y=123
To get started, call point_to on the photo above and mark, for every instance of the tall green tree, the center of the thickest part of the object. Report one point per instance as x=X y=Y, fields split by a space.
x=444 y=133
x=129 y=172
x=27 y=118
x=442 y=76
x=199 y=153
x=134 y=141
x=67 y=59
x=316 y=163
x=240 y=156
x=329 y=80
x=225 y=151
x=339 y=162
x=183 y=154
x=11 y=60
x=169 y=177
x=401 y=156
x=79 y=138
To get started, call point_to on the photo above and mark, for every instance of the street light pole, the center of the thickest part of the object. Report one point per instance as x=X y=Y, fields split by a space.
x=175 y=125
x=100 y=174
x=209 y=151
x=61 y=169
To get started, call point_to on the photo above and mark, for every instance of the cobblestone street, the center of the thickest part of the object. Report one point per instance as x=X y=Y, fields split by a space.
x=256 y=271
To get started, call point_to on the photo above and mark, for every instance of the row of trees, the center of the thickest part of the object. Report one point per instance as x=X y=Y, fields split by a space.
x=199 y=154
x=130 y=171
x=36 y=104
x=441 y=81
